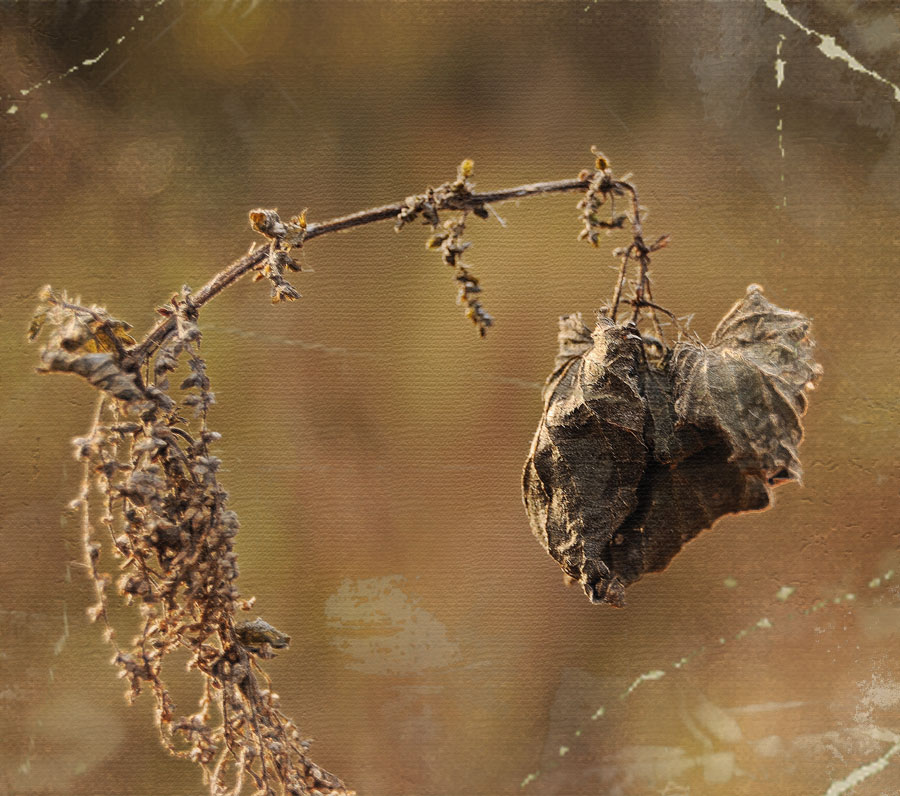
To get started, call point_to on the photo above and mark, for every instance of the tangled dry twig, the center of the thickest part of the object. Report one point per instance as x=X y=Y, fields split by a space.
x=151 y=487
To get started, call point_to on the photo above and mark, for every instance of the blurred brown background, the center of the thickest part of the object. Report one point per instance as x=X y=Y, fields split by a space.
x=373 y=444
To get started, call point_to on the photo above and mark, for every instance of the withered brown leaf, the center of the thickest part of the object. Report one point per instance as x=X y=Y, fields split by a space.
x=750 y=383
x=633 y=458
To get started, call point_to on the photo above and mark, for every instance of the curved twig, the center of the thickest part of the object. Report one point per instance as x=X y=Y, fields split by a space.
x=229 y=275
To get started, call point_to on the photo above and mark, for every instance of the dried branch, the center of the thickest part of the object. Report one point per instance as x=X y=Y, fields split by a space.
x=603 y=187
x=255 y=259
x=150 y=478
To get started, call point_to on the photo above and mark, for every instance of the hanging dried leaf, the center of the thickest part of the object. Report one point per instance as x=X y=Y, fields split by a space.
x=749 y=384
x=588 y=455
x=633 y=459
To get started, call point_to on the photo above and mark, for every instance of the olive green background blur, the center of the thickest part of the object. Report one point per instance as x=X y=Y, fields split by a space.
x=373 y=445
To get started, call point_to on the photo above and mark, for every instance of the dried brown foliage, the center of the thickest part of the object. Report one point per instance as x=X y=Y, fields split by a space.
x=152 y=498
x=153 y=508
x=641 y=445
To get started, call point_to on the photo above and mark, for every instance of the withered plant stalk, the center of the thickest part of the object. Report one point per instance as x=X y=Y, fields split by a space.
x=151 y=498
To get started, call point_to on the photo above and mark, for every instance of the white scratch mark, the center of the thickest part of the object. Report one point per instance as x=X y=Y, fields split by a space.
x=16 y=156
x=766 y=707
x=829 y=47
x=238 y=46
x=114 y=72
x=779 y=79
x=289 y=341
x=250 y=9
x=166 y=29
x=656 y=674
x=862 y=773
x=92 y=61
x=779 y=62
x=61 y=642
x=784 y=592
x=497 y=216
x=88 y=62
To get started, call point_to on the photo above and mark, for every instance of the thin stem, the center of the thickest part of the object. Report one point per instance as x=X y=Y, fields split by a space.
x=228 y=276
x=642 y=284
x=649 y=304
x=390 y=211
x=653 y=316
x=87 y=529
x=636 y=224
x=620 y=282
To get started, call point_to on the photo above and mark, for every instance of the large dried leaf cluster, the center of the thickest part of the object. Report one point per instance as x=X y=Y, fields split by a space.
x=152 y=507
x=635 y=454
x=643 y=444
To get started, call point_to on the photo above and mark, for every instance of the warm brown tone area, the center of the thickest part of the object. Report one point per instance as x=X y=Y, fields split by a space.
x=373 y=442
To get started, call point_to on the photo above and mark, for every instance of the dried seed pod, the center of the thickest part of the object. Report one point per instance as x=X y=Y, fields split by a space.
x=631 y=459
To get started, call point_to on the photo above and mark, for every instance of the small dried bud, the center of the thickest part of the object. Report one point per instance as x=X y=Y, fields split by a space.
x=256 y=633
x=284 y=292
x=436 y=240
x=267 y=223
x=601 y=162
